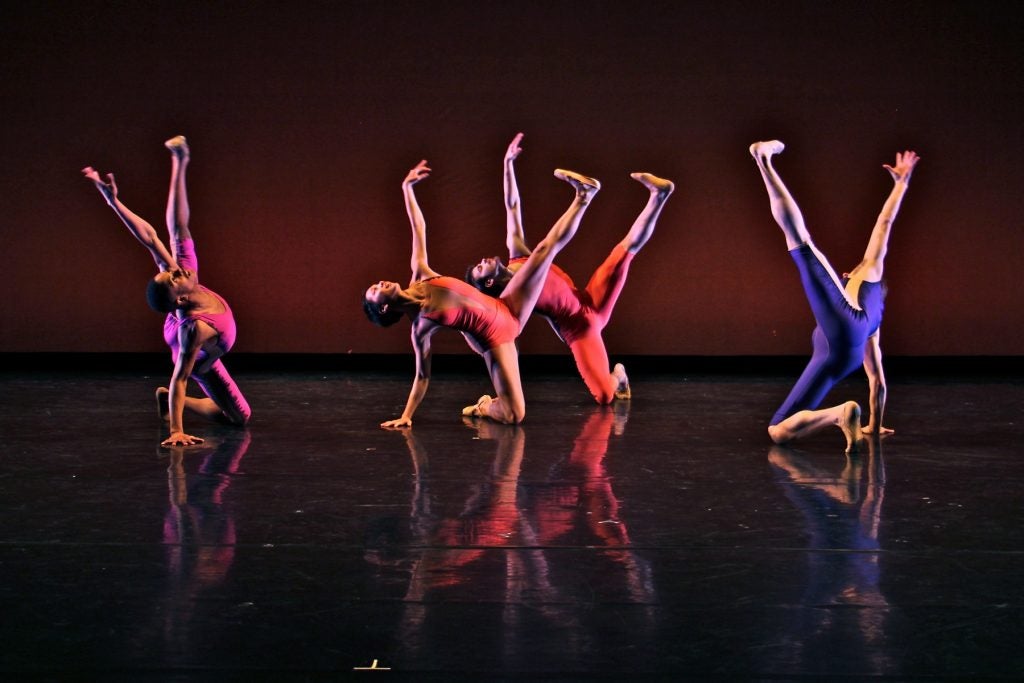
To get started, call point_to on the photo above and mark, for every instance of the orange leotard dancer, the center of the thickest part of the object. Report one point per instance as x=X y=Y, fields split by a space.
x=578 y=316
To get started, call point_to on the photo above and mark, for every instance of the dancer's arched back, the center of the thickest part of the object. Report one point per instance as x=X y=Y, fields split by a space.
x=199 y=326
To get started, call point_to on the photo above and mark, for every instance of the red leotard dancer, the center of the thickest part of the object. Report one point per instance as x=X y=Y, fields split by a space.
x=199 y=327
x=578 y=316
x=490 y=326
x=848 y=311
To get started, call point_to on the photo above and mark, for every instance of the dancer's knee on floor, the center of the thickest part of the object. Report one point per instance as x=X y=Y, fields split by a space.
x=238 y=416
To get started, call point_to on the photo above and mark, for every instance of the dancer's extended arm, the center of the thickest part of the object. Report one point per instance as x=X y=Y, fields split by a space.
x=876 y=385
x=142 y=230
x=515 y=238
x=874 y=255
x=418 y=263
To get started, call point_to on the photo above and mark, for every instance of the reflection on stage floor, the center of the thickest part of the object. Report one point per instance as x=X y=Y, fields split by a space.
x=660 y=538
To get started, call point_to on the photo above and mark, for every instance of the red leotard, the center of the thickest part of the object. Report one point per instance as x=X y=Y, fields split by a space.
x=486 y=319
x=579 y=316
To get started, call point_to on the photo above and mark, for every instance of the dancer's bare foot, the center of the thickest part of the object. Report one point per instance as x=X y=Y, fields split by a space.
x=163 y=398
x=586 y=187
x=656 y=185
x=108 y=189
x=178 y=147
x=849 y=422
x=622 y=391
x=766 y=149
x=479 y=409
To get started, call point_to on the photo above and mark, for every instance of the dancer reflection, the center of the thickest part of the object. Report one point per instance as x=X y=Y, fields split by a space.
x=517 y=544
x=199 y=327
x=479 y=548
x=842 y=512
x=490 y=326
x=579 y=507
x=199 y=537
x=848 y=311
x=578 y=316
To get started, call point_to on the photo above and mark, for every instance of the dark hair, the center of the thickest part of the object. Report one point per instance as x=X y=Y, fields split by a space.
x=159 y=297
x=378 y=317
x=496 y=287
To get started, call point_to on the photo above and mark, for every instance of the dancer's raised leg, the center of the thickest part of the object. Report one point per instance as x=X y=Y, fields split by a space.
x=178 y=213
x=784 y=208
x=606 y=283
x=786 y=211
x=643 y=226
x=523 y=290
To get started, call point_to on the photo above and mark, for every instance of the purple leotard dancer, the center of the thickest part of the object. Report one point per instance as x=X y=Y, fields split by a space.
x=848 y=311
x=199 y=327
x=840 y=336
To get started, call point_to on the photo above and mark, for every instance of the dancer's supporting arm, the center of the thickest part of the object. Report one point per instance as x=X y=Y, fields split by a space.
x=871 y=270
x=192 y=335
x=876 y=386
x=140 y=229
x=422 y=329
x=874 y=255
x=515 y=238
x=421 y=381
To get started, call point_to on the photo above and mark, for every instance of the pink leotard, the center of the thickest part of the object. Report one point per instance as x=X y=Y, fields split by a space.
x=223 y=322
x=579 y=315
x=486 y=319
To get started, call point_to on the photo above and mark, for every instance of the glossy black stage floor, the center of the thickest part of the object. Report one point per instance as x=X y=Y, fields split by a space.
x=659 y=539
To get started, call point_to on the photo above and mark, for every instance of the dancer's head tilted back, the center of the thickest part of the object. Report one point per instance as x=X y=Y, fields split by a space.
x=489 y=276
x=377 y=303
x=170 y=289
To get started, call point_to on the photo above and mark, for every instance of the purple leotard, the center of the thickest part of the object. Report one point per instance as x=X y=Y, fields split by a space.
x=839 y=338
x=214 y=381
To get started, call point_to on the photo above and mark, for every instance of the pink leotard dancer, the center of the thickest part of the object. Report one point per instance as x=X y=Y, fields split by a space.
x=578 y=316
x=212 y=377
x=199 y=326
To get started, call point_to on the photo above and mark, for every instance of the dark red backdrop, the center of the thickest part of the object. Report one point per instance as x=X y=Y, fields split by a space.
x=303 y=119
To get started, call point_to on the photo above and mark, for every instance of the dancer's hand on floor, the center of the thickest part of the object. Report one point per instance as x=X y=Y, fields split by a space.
x=181 y=439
